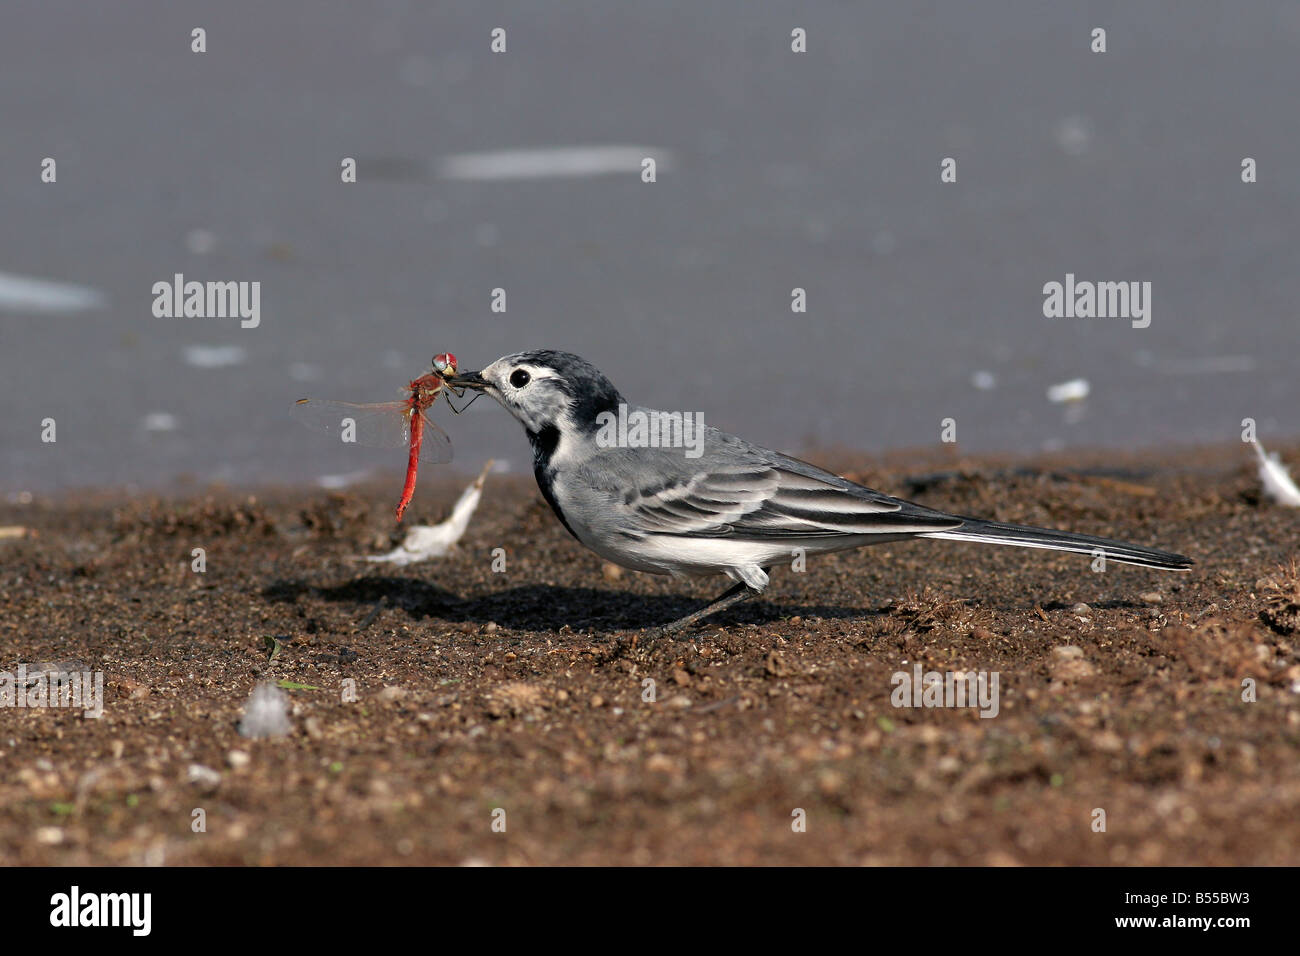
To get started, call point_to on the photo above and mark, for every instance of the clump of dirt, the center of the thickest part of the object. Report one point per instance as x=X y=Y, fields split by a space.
x=208 y=516
x=1281 y=596
x=335 y=516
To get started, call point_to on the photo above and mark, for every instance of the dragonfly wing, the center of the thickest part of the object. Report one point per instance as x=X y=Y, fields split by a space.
x=435 y=447
x=385 y=425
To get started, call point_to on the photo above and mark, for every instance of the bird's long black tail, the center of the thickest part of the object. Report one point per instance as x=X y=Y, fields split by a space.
x=1021 y=536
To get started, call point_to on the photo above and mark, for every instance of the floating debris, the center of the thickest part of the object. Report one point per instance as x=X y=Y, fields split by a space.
x=23 y=294
x=214 y=356
x=159 y=422
x=1075 y=390
x=552 y=163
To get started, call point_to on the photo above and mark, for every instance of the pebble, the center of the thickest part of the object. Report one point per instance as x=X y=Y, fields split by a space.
x=1108 y=741
x=1081 y=608
x=775 y=665
x=1069 y=665
x=830 y=782
x=49 y=836
x=612 y=572
x=661 y=763
x=238 y=759
x=204 y=777
x=1152 y=597
x=132 y=689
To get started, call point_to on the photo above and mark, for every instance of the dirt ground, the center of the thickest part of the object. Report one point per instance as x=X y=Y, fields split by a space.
x=524 y=690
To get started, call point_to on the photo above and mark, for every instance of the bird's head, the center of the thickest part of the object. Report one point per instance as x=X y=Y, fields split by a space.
x=551 y=393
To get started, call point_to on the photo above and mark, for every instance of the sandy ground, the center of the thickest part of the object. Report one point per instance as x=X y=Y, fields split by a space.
x=524 y=691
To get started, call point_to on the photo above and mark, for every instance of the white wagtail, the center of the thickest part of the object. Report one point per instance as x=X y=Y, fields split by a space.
x=730 y=507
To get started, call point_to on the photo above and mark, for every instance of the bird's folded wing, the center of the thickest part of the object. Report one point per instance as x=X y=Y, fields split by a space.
x=783 y=498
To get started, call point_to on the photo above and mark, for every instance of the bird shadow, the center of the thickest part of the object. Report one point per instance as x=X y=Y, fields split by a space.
x=536 y=607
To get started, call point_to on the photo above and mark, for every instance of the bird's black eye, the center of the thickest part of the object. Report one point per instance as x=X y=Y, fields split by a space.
x=519 y=378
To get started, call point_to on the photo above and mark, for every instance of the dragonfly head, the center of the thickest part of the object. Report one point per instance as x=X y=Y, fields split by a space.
x=444 y=363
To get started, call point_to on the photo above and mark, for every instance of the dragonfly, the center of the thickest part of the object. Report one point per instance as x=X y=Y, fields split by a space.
x=393 y=424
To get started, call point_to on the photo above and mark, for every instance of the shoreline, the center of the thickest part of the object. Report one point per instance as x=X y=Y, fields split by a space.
x=1155 y=459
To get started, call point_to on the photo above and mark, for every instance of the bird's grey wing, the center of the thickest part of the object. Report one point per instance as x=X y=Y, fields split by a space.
x=741 y=491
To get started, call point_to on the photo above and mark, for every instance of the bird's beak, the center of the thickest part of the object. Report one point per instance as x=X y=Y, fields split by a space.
x=469 y=380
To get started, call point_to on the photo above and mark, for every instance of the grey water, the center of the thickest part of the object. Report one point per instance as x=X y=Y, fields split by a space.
x=776 y=170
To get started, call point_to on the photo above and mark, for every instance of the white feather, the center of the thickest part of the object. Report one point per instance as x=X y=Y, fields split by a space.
x=266 y=714
x=434 y=541
x=1276 y=478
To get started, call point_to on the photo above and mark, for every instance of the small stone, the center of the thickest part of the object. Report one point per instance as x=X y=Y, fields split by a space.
x=491 y=627
x=661 y=763
x=982 y=634
x=775 y=665
x=612 y=572
x=238 y=759
x=392 y=694
x=597 y=701
x=1081 y=608
x=205 y=778
x=1152 y=597
x=681 y=678
x=49 y=836
x=132 y=689
x=1108 y=741
x=681 y=702
x=1069 y=665
x=830 y=782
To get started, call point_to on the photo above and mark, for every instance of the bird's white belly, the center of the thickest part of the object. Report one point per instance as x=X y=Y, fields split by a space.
x=670 y=554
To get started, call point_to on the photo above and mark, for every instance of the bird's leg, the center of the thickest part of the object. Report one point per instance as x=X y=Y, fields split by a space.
x=740 y=591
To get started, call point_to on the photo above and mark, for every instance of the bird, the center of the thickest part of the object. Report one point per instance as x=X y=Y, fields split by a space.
x=714 y=503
